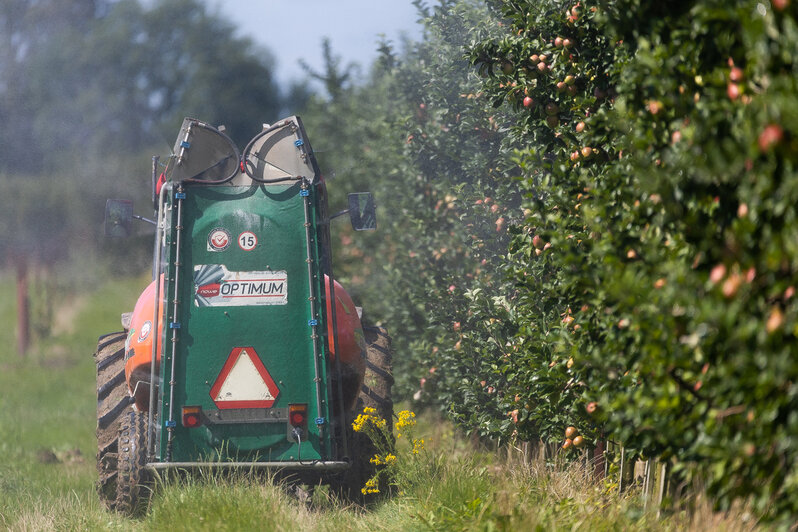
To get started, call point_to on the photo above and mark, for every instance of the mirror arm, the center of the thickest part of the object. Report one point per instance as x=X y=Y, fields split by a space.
x=143 y=219
x=339 y=213
x=336 y=215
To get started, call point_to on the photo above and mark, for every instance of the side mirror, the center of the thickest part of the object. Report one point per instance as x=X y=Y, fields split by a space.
x=362 y=211
x=118 y=218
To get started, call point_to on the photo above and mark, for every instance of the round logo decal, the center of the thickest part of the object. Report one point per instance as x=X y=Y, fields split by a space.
x=247 y=241
x=218 y=239
x=145 y=330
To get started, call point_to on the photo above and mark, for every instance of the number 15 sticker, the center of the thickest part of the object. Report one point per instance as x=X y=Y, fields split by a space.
x=247 y=241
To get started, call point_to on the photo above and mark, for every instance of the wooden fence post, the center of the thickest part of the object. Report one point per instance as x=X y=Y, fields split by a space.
x=23 y=309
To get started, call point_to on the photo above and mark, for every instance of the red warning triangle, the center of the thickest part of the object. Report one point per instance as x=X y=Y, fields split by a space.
x=244 y=382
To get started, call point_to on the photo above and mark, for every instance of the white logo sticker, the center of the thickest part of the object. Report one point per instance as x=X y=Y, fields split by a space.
x=218 y=239
x=145 y=330
x=216 y=286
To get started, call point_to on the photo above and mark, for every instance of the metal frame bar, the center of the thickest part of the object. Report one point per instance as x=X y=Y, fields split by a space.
x=337 y=351
x=175 y=308
x=320 y=465
x=156 y=318
x=313 y=307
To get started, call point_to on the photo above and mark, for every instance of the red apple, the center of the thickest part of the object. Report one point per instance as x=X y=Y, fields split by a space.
x=770 y=136
x=717 y=274
x=733 y=91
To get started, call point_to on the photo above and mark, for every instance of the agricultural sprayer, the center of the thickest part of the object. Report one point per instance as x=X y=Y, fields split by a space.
x=243 y=352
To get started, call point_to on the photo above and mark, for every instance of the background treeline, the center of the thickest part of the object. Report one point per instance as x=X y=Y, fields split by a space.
x=586 y=208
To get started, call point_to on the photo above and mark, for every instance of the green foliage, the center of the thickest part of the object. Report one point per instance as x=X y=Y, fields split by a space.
x=88 y=86
x=670 y=275
x=422 y=137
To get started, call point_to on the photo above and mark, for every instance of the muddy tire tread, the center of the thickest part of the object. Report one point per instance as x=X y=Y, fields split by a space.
x=112 y=402
x=132 y=485
x=114 y=357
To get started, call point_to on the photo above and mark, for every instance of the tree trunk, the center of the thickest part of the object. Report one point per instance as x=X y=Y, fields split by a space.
x=598 y=458
x=23 y=310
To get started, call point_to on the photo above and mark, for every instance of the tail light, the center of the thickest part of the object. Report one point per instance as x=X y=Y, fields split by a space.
x=297 y=419
x=192 y=416
x=298 y=415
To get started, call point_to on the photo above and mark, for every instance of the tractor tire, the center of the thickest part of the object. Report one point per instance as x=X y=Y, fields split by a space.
x=112 y=402
x=133 y=483
x=375 y=393
x=378 y=381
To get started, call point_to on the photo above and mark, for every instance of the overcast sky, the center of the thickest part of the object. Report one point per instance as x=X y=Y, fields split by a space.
x=294 y=29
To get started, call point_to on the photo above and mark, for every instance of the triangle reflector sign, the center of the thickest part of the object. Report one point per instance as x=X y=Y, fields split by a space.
x=244 y=382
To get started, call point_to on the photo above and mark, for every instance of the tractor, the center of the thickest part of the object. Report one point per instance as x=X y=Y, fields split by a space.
x=243 y=352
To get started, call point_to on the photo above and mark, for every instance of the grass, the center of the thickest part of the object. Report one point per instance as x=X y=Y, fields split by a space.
x=47 y=470
x=47 y=411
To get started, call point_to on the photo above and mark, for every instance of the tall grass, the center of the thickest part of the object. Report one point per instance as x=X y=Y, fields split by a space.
x=47 y=409
x=47 y=471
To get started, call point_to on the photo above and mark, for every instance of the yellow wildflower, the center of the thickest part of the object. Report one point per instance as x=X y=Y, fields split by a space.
x=361 y=420
x=367 y=417
x=378 y=460
x=406 y=419
x=370 y=487
x=418 y=446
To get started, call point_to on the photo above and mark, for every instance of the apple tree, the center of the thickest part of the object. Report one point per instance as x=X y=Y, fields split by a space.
x=663 y=183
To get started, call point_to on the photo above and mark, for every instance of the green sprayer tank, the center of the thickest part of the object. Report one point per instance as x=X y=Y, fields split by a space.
x=243 y=352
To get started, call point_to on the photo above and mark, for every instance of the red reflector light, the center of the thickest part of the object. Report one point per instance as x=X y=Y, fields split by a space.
x=192 y=416
x=298 y=415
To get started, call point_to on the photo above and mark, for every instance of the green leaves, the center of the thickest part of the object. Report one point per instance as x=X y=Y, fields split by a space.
x=613 y=246
x=683 y=110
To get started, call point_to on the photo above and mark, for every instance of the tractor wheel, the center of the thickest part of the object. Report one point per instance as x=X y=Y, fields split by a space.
x=375 y=393
x=133 y=484
x=112 y=402
x=377 y=384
